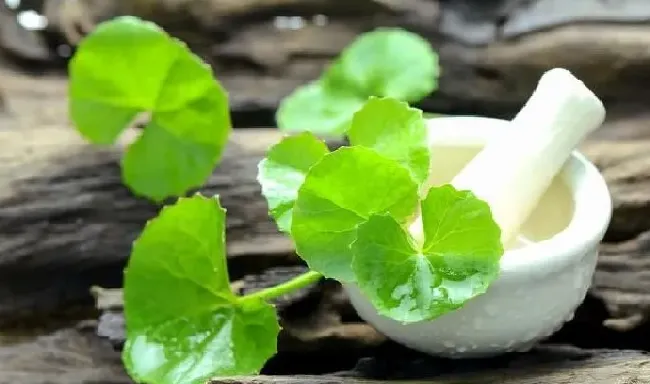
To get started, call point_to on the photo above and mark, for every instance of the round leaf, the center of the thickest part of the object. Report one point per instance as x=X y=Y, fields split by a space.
x=458 y=261
x=313 y=108
x=396 y=131
x=283 y=171
x=387 y=62
x=126 y=67
x=340 y=191
x=184 y=325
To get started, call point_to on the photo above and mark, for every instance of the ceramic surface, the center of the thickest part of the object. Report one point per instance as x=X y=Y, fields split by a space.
x=539 y=286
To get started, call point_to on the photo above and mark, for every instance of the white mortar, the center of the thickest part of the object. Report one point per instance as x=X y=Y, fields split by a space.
x=539 y=286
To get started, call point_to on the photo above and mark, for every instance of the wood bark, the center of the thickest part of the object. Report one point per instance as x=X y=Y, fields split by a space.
x=549 y=365
x=74 y=355
x=620 y=151
x=19 y=42
x=67 y=221
x=70 y=355
x=492 y=52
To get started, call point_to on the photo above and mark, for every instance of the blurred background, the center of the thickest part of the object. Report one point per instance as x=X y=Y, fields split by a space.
x=492 y=51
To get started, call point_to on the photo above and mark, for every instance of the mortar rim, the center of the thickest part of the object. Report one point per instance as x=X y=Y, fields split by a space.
x=592 y=201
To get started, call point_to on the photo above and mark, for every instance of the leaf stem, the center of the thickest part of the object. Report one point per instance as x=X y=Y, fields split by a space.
x=294 y=284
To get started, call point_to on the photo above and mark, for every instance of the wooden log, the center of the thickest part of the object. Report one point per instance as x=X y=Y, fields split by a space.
x=20 y=42
x=67 y=221
x=622 y=280
x=625 y=164
x=70 y=355
x=311 y=318
x=74 y=355
x=549 y=365
x=492 y=52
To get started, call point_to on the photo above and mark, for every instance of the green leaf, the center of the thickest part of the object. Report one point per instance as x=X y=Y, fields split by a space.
x=341 y=191
x=183 y=323
x=387 y=62
x=283 y=171
x=458 y=261
x=396 y=131
x=313 y=108
x=127 y=67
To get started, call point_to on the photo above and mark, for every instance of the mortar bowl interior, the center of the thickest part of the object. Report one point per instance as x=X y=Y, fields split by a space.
x=542 y=281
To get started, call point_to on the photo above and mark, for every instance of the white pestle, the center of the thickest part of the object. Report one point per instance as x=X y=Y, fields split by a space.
x=512 y=172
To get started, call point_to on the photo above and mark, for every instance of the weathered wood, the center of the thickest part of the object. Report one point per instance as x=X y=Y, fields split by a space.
x=70 y=355
x=492 y=52
x=311 y=317
x=18 y=41
x=72 y=17
x=548 y=365
x=622 y=281
x=622 y=276
x=74 y=355
x=111 y=324
x=67 y=221
x=625 y=164
x=492 y=78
